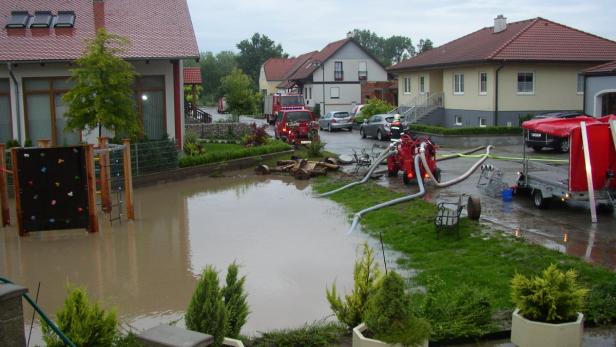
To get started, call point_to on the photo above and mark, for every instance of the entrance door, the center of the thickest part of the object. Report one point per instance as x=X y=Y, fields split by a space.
x=608 y=104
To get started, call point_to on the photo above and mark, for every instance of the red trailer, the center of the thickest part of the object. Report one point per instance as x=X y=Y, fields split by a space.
x=274 y=103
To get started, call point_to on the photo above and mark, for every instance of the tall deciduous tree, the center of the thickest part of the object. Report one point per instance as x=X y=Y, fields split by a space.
x=103 y=93
x=255 y=51
x=213 y=68
x=424 y=45
x=238 y=92
x=389 y=50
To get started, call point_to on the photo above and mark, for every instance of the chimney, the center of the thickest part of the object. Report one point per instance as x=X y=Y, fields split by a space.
x=99 y=14
x=500 y=24
x=349 y=35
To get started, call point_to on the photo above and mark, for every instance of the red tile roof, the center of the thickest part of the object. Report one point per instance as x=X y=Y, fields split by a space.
x=310 y=65
x=603 y=68
x=192 y=75
x=535 y=39
x=156 y=29
x=277 y=68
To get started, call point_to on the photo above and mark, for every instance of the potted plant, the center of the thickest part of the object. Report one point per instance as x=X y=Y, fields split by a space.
x=547 y=309
x=388 y=318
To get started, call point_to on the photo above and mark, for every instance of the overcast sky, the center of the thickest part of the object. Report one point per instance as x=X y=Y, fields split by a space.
x=303 y=26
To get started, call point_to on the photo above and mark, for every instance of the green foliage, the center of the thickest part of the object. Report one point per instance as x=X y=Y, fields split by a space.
x=206 y=312
x=103 y=92
x=554 y=297
x=28 y=143
x=601 y=304
x=387 y=50
x=495 y=130
x=257 y=135
x=315 y=148
x=237 y=88
x=235 y=301
x=213 y=69
x=233 y=153
x=128 y=340
x=188 y=93
x=350 y=311
x=316 y=109
x=83 y=322
x=424 y=45
x=317 y=334
x=192 y=146
x=389 y=314
x=374 y=106
x=254 y=52
x=12 y=143
x=463 y=312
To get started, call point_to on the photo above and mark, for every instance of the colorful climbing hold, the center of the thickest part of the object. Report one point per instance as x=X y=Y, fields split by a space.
x=44 y=169
x=53 y=202
x=70 y=194
x=60 y=161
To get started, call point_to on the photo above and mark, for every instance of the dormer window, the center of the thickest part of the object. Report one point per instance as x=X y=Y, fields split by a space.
x=42 y=19
x=19 y=19
x=66 y=19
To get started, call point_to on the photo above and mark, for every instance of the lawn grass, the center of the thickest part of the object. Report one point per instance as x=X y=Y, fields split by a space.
x=218 y=152
x=478 y=258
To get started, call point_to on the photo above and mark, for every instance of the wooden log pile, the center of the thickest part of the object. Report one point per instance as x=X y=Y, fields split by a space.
x=300 y=168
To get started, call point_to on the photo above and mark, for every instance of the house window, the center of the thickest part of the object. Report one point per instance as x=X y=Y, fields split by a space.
x=458 y=120
x=310 y=93
x=580 y=84
x=458 y=84
x=483 y=122
x=338 y=72
x=407 y=85
x=334 y=92
x=526 y=83
x=362 y=73
x=6 y=133
x=150 y=103
x=483 y=83
x=422 y=84
x=45 y=110
x=305 y=92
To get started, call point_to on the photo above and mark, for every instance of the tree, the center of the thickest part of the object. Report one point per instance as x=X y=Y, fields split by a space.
x=188 y=92
x=424 y=45
x=213 y=69
x=235 y=301
x=240 y=97
x=206 y=312
x=387 y=50
x=255 y=51
x=103 y=94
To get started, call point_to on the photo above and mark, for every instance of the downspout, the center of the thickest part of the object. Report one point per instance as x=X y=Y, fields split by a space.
x=17 y=101
x=584 y=98
x=496 y=95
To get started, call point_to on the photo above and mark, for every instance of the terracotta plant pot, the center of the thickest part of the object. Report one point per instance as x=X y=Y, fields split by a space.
x=528 y=333
x=359 y=340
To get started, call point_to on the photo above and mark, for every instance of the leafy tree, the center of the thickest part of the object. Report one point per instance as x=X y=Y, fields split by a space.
x=188 y=93
x=213 y=69
x=397 y=48
x=235 y=301
x=83 y=322
x=374 y=106
x=371 y=42
x=103 y=92
x=206 y=312
x=255 y=51
x=240 y=97
x=424 y=45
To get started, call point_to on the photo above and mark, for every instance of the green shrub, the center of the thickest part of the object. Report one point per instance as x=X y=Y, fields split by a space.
x=192 y=146
x=464 y=312
x=351 y=311
x=12 y=143
x=314 y=148
x=601 y=304
x=316 y=109
x=496 y=130
x=209 y=157
x=374 y=106
x=235 y=301
x=389 y=316
x=310 y=335
x=83 y=322
x=554 y=297
x=206 y=312
x=128 y=340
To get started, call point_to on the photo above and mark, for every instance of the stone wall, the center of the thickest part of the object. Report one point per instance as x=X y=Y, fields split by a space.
x=219 y=130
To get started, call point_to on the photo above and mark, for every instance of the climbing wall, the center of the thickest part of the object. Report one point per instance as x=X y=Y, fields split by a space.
x=53 y=188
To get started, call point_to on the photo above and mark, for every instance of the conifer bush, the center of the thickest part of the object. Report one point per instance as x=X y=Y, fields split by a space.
x=235 y=301
x=206 y=312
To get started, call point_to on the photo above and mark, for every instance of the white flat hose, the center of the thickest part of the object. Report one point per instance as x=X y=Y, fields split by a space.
x=371 y=169
x=420 y=193
x=422 y=155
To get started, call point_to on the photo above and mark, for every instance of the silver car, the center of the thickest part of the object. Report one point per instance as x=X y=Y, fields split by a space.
x=377 y=126
x=336 y=120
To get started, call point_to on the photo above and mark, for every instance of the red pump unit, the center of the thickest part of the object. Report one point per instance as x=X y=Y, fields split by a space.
x=404 y=155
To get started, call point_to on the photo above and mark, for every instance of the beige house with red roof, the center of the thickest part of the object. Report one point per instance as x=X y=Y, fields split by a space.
x=498 y=74
x=40 y=40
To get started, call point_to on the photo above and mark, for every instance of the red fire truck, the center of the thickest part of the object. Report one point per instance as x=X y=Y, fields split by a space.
x=275 y=103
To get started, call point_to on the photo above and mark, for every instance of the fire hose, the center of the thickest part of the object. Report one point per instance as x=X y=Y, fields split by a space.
x=422 y=155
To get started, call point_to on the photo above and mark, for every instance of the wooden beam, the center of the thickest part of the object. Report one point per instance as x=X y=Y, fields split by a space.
x=4 y=198
x=128 y=182
x=17 y=188
x=103 y=163
x=91 y=178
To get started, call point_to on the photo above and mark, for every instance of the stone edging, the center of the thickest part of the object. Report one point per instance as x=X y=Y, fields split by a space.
x=191 y=171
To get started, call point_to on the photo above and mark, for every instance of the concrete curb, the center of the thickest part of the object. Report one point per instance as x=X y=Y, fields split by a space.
x=192 y=171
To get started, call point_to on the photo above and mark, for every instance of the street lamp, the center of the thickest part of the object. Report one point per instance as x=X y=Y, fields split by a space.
x=322 y=66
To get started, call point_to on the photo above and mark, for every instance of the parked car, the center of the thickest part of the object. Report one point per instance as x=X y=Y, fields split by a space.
x=336 y=120
x=378 y=126
x=356 y=110
x=537 y=140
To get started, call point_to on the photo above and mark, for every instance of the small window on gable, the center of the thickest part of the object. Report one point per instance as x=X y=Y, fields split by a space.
x=19 y=19
x=66 y=19
x=42 y=19
x=334 y=92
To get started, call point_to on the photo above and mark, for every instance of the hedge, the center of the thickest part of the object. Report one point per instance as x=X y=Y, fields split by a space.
x=497 y=130
x=236 y=153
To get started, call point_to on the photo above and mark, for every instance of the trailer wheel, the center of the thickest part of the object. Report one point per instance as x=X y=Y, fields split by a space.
x=538 y=200
x=537 y=148
x=379 y=136
x=473 y=207
x=564 y=146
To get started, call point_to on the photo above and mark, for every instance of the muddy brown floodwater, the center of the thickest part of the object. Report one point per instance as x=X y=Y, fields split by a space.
x=290 y=246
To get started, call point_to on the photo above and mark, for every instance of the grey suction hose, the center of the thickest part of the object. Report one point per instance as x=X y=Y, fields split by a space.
x=420 y=193
x=370 y=171
x=422 y=155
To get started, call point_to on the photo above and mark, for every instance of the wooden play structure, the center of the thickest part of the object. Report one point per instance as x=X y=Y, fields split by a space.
x=58 y=187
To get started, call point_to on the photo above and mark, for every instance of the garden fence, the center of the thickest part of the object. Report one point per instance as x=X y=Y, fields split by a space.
x=153 y=156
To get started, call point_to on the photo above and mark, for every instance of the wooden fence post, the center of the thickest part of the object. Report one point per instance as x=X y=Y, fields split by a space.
x=18 y=212
x=128 y=182
x=91 y=178
x=103 y=164
x=4 y=198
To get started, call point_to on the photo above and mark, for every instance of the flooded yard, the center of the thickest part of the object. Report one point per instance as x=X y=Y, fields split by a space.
x=290 y=246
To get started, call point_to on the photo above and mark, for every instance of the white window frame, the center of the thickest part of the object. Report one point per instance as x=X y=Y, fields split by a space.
x=517 y=76
x=580 y=83
x=422 y=84
x=335 y=95
x=485 y=122
x=483 y=92
x=458 y=121
x=407 y=85
x=459 y=84
x=362 y=73
x=310 y=92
